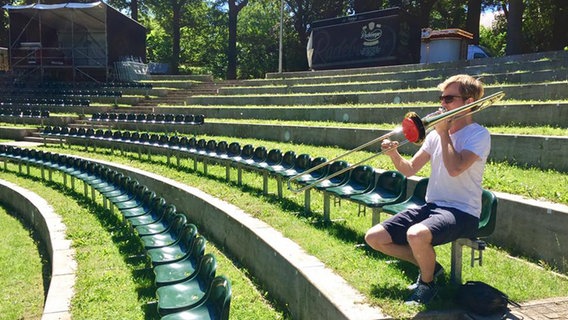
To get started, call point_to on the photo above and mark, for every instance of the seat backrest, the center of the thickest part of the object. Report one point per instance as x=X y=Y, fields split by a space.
x=259 y=154
x=219 y=298
x=211 y=146
x=192 y=143
x=178 y=118
x=198 y=248
x=337 y=166
x=183 y=142
x=288 y=159
x=150 y=117
x=188 y=234
x=362 y=177
x=274 y=157
x=222 y=147
x=201 y=144
x=302 y=162
x=188 y=118
x=393 y=182
x=199 y=119
x=488 y=217
x=154 y=138
x=144 y=137
x=173 y=141
x=234 y=149
x=247 y=152
x=164 y=139
x=318 y=173
x=207 y=270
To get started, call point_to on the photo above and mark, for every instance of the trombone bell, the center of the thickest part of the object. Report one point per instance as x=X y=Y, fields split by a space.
x=413 y=128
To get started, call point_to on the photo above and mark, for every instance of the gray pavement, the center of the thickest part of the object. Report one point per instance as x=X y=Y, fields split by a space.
x=546 y=309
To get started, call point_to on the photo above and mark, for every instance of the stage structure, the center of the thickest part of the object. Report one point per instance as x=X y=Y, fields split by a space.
x=71 y=41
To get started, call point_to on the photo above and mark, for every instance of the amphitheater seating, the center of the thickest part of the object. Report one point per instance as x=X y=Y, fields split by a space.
x=389 y=188
x=158 y=118
x=178 y=232
x=361 y=185
x=176 y=251
x=486 y=226
x=23 y=113
x=167 y=239
x=186 y=294
x=215 y=305
x=163 y=225
x=185 y=268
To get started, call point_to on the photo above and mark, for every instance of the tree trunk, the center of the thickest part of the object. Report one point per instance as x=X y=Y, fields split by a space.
x=232 y=46
x=559 y=25
x=234 y=9
x=514 y=27
x=176 y=36
x=134 y=10
x=473 y=19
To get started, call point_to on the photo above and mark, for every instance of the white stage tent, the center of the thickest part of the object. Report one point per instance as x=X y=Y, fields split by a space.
x=71 y=41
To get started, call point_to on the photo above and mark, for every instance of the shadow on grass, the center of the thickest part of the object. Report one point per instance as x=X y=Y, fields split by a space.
x=128 y=243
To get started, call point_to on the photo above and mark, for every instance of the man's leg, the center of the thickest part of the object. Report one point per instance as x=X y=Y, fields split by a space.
x=420 y=241
x=379 y=239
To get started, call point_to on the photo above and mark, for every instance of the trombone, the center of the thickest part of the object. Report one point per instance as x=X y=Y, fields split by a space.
x=414 y=130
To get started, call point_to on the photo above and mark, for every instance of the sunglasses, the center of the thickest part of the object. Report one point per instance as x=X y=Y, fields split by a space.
x=449 y=98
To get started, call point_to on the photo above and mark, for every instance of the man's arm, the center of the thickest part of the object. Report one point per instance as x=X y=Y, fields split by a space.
x=406 y=167
x=455 y=162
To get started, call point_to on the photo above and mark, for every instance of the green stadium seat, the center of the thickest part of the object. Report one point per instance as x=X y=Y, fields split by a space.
x=173 y=236
x=185 y=269
x=177 y=251
x=187 y=294
x=215 y=306
x=164 y=224
x=388 y=190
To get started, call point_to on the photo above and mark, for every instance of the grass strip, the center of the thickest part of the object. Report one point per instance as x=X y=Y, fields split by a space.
x=113 y=281
x=22 y=264
x=519 y=130
x=380 y=278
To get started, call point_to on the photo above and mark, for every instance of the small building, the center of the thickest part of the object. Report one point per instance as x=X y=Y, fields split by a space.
x=71 y=41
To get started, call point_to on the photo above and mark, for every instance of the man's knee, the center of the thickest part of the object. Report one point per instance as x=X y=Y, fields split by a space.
x=419 y=234
x=376 y=237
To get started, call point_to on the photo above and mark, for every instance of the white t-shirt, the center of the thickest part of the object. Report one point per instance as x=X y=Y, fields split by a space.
x=462 y=192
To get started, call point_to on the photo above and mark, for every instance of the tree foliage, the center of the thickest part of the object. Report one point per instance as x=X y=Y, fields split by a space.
x=193 y=35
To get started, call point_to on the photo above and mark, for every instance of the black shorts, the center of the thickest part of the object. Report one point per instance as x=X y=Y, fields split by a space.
x=446 y=224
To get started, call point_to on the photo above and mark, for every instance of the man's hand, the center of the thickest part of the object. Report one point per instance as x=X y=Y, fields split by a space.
x=443 y=126
x=389 y=147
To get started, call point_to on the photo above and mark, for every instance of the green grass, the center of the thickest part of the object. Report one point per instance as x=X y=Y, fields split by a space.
x=21 y=270
x=520 y=130
x=378 y=277
x=113 y=281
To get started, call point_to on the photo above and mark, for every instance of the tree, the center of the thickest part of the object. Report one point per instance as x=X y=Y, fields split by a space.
x=235 y=6
x=173 y=14
x=473 y=19
x=258 y=31
x=514 y=16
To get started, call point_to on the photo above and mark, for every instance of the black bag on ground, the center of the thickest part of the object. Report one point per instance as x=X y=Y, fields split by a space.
x=482 y=299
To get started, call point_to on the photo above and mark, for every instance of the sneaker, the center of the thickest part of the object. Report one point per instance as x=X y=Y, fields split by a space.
x=438 y=272
x=423 y=294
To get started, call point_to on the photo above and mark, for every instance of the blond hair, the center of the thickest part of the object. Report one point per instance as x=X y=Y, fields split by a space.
x=469 y=86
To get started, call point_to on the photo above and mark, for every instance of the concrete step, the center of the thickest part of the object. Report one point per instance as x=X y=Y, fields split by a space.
x=38 y=139
x=380 y=82
x=555 y=58
x=535 y=114
x=541 y=92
